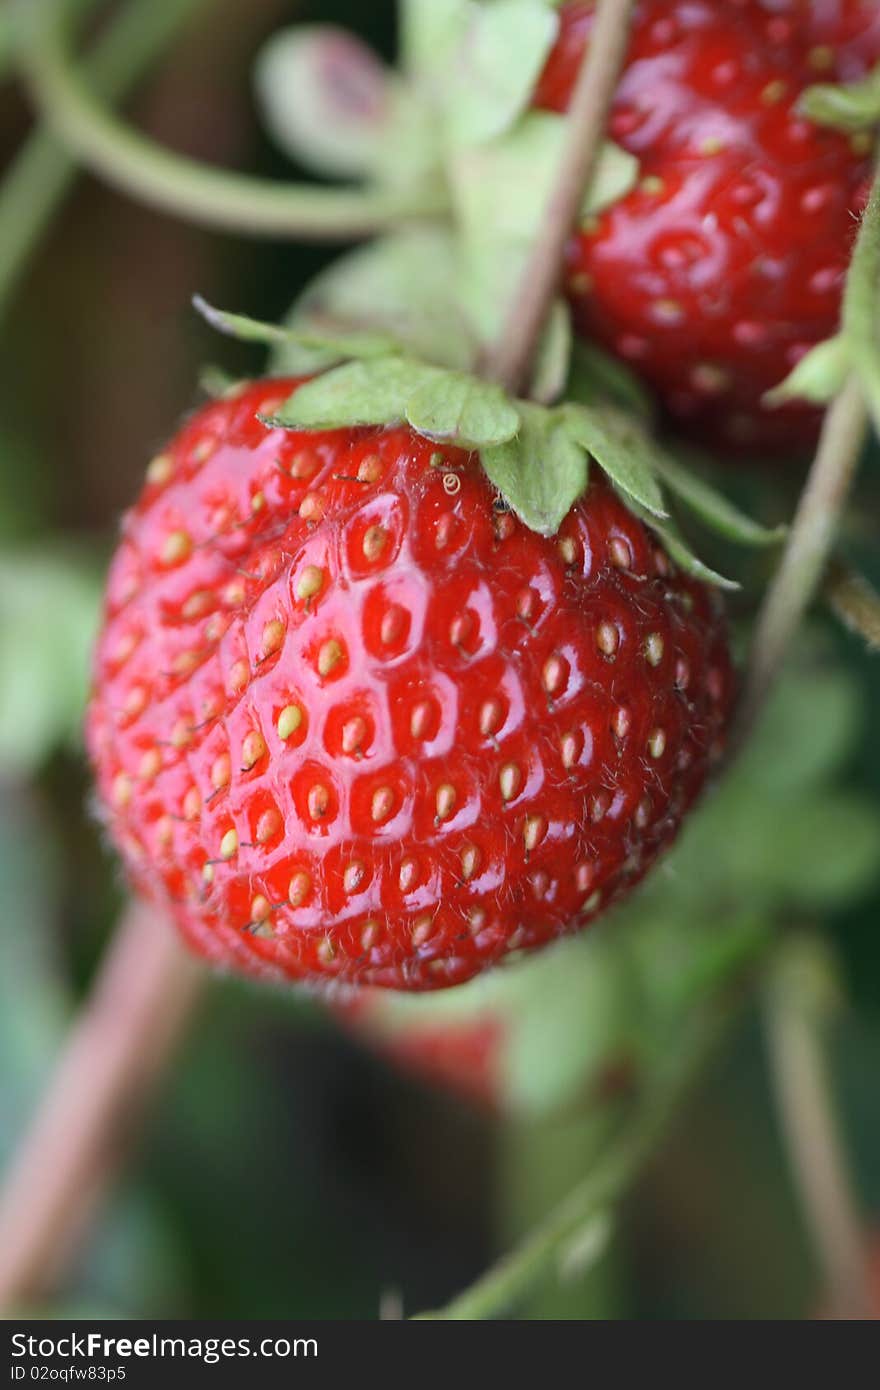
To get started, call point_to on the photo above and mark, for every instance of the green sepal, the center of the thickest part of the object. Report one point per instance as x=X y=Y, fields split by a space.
x=332 y=344
x=536 y=456
x=851 y=107
x=542 y=471
x=817 y=377
x=462 y=409
x=711 y=506
x=357 y=393
x=623 y=451
x=442 y=405
x=679 y=551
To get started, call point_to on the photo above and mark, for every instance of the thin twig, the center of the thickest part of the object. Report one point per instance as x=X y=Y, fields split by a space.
x=817 y=519
x=206 y=196
x=812 y=536
x=509 y=360
x=856 y=603
x=113 y=1059
x=793 y=1024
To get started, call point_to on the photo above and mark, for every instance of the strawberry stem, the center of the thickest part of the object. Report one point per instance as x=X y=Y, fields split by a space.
x=811 y=539
x=795 y=1016
x=173 y=183
x=116 y=1054
x=817 y=518
x=43 y=171
x=509 y=360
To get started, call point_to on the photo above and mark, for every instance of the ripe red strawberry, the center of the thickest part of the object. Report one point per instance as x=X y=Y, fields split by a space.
x=351 y=720
x=715 y=275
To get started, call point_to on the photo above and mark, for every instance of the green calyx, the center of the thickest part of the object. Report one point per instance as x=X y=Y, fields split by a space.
x=455 y=118
x=538 y=457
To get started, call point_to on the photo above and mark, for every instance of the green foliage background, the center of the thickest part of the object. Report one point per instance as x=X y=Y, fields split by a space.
x=287 y=1172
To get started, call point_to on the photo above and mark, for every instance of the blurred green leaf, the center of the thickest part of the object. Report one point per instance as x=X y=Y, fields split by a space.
x=48 y=616
x=33 y=999
x=384 y=286
x=807 y=731
x=485 y=80
x=326 y=98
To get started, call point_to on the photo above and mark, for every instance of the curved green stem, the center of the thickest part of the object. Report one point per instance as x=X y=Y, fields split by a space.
x=613 y=1174
x=9 y=29
x=43 y=170
x=187 y=188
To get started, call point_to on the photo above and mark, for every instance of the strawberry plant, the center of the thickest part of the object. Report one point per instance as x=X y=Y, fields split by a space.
x=416 y=650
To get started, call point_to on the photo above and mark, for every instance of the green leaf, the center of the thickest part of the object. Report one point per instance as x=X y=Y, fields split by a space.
x=337 y=109
x=327 y=100
x=490 y=79
x=337 y=344
x=783 y=855
x=429 y=34
x=456 y=407
x=851 y=106
x=808 y=729
x=384 y=288
x=711 y=506
x=623 y=451
x=817 y=377
x=358 y=393
x=542 y=472
x=553 y=358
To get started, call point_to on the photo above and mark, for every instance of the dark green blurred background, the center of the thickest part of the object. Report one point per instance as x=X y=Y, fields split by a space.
x=285 y=1171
